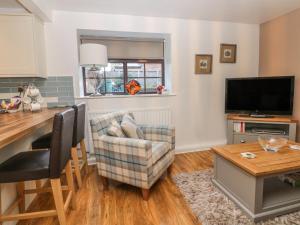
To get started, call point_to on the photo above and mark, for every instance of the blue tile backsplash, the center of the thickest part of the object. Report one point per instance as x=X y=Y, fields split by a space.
x=60 y=87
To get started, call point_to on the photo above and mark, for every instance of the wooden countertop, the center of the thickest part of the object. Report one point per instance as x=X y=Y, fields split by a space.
x=273 y=119
x=265 y=163
x=13 y=126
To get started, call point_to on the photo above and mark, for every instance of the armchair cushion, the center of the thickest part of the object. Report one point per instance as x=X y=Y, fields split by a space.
x=100 y=124
x=130 y=128
x=115 y=129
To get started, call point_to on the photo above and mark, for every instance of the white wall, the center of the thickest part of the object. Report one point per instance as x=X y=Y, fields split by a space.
x=198 y=107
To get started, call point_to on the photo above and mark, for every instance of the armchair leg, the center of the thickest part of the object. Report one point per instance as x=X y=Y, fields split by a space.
x=104 y=182
x=145 y=194
x=170 y=169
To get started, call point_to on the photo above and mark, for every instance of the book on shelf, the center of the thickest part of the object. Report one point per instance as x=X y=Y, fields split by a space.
x=239 y=127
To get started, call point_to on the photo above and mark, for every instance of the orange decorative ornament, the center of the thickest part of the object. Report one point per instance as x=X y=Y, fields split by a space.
x=133 y=87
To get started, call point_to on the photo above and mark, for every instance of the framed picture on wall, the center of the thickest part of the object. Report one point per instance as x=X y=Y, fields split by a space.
x=203 y=64
x=228 y=53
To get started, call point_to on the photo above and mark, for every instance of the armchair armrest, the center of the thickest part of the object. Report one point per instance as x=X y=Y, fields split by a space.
x=159 y=133
x=125 y=149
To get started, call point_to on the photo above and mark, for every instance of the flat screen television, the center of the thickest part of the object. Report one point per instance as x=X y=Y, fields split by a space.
x=260 y=95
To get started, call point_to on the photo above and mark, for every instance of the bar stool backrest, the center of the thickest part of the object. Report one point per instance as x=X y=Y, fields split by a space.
x=61 y=142
x=79 y=124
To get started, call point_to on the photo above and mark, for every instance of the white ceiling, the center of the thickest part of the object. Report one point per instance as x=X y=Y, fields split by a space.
x=245 y=11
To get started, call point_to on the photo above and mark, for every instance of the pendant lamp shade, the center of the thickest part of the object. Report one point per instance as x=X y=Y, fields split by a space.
x=93 y=54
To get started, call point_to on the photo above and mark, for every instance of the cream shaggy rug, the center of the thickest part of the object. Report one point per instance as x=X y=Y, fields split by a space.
x=212 y=207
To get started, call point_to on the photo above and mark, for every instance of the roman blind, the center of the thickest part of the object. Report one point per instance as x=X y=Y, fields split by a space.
x=124 y=48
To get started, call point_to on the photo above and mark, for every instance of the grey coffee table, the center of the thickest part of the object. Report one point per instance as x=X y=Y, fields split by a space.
x=253 y=184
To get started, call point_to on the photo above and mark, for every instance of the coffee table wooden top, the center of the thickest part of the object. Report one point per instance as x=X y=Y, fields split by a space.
x=265 y=163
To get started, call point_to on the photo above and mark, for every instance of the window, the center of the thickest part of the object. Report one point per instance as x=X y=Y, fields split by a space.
x=149 y=73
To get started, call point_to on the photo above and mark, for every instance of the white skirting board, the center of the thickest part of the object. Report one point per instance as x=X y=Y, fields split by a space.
x=154 y=116
x=198 y=147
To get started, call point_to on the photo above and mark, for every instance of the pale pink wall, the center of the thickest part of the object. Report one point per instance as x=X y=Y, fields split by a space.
x=280 y=52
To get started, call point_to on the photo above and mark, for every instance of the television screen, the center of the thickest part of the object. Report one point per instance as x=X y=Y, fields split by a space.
x=262 y=95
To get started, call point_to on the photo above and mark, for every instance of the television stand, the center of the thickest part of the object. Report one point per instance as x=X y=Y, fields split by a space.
x=247 y=129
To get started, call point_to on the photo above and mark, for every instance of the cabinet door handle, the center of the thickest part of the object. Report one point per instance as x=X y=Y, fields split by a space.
x=242 y=141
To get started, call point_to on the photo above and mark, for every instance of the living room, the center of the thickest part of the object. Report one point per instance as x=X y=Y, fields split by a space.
x=168 y=64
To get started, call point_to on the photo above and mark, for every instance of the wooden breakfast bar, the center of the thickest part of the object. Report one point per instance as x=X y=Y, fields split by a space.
x=17 y=132
x=14 y=126
x=253 y=184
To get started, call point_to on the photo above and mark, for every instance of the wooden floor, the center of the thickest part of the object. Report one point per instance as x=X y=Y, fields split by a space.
x=123 y=205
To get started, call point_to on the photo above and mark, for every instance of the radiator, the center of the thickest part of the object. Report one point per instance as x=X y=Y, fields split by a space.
x=156 y=116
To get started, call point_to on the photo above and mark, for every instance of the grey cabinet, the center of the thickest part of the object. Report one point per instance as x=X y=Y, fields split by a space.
x=251 y=129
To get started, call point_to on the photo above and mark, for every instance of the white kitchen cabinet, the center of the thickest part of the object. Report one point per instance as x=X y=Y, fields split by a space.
x=22 y=46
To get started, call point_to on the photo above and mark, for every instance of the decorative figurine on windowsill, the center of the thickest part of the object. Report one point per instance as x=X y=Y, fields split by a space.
x=159 y=89
x=133 y=87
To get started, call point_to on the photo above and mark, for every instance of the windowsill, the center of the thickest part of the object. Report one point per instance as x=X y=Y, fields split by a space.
x=127 y=96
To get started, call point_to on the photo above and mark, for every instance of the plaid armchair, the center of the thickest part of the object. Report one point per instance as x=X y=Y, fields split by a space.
x=133 y=161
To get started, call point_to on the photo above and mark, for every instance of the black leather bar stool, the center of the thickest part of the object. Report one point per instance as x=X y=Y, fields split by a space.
x=37 y=165
x=78 y=138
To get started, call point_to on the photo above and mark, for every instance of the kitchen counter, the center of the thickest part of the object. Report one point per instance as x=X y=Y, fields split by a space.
x=14 y=126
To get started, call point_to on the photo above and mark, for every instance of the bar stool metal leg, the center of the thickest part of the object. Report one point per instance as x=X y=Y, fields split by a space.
x=58 y=200
x=76 y=166
x=84 y=155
